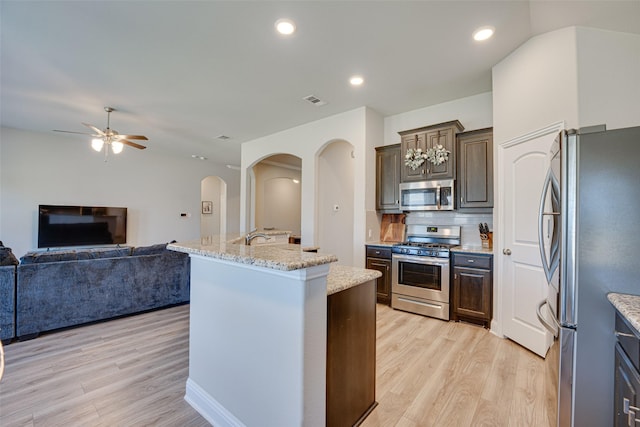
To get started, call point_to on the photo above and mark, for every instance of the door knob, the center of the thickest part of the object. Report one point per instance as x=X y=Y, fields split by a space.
x=506 y=251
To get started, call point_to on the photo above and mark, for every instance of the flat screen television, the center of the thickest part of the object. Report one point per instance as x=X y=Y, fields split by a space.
x=62 y=226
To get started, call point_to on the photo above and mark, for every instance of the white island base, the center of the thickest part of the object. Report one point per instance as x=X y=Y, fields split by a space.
x=257 y=345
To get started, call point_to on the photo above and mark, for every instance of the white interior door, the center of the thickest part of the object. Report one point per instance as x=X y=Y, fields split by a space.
x=524 y=163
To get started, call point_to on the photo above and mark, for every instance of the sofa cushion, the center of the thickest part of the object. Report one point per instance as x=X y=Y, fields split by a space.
x=49 y=256
x=98 y=253
x=7 y=257
x=149 y=250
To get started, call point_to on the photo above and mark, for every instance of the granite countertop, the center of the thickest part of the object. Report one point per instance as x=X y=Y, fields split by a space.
x=472 y=250
x=628 y=306
x=277 y=256
x=379 y=243
x=342 y=277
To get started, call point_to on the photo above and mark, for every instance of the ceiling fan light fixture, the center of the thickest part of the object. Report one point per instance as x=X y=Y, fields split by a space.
x=97 y=144
x=116 y=147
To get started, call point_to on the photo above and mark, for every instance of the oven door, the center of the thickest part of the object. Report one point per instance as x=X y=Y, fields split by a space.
x=421 y=277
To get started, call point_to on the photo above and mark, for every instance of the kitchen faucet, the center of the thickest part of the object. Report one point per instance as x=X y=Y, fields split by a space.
x=252 y=235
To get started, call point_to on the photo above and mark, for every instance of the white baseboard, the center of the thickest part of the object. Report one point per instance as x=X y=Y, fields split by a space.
x=216 y=414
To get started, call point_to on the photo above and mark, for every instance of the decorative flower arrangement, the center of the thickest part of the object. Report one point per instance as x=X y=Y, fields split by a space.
x=416 y=157
x=437 y=155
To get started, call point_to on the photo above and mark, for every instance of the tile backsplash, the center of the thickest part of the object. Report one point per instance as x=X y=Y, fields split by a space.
x=468 y=223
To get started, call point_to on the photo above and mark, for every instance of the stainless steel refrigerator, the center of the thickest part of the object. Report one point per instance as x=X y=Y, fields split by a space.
x=590 y=209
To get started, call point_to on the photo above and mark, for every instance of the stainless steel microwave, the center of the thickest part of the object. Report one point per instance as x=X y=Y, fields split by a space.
x=427 y=196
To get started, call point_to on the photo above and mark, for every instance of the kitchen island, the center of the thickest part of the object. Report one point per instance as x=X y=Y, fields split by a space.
x=260 y=346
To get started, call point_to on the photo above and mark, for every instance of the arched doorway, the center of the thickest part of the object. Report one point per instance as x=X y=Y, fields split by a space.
x=276 y=193
x=335 y=204
x=213 y=213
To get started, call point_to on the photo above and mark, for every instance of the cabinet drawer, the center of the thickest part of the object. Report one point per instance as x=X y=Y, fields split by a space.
x=378 y=252
x=473 y=261
x=628 y=340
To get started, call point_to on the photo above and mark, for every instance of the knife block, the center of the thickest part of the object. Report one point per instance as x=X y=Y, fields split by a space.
x=487 y=240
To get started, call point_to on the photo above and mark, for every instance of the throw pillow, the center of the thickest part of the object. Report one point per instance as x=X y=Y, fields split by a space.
x=7 y=257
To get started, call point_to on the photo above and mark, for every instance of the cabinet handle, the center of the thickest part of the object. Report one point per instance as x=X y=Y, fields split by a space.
x=627 y=408
x=471 y=260
x=623 y=335
x=455 y=275
x=377 y=252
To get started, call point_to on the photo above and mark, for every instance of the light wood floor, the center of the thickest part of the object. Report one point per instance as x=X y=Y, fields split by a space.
x=132 y=372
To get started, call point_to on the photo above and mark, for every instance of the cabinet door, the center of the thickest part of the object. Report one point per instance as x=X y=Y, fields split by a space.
x=388 y=178
x=472 y=294
x=414 y=141
x=475 y=174
x=626 y=385
x=446 y=138
x=383 y=283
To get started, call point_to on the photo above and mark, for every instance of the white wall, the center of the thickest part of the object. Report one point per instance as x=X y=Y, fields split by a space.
x=608 y=78
x=42 y=168
x=336 y=188
x=536 y=86
x=306 y=142
x=474 y=112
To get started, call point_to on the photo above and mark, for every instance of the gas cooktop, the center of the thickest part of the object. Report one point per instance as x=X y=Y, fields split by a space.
x=427 y=240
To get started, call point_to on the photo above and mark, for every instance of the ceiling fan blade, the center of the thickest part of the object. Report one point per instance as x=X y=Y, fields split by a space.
x=80 y=133
x=142 y=137
x=93 y=128
x=132 y=144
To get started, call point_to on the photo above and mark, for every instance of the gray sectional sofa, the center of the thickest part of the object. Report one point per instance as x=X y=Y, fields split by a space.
x=58 y=289
x=7 y=302
x=8 y=264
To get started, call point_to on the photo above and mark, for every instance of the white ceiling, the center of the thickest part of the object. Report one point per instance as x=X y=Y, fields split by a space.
x=185 y=72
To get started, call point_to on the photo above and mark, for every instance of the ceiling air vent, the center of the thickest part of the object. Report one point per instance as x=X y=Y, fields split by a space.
x=315 y=100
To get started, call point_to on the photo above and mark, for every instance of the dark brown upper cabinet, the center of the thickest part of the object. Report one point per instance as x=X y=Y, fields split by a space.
x=427 y=137
x=388 y=163
x=475 y=170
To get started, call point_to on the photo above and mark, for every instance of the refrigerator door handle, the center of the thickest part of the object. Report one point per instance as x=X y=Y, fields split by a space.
x=551 y=328
x=549 y=265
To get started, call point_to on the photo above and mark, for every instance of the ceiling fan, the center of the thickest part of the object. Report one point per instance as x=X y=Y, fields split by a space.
x=109 y=137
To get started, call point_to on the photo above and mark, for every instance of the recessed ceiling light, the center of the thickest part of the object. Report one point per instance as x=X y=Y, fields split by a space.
x=356 y=80
x=195 y=156
x=285 y=26
x=483 y=33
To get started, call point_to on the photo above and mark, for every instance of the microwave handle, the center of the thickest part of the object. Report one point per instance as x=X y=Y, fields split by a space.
x=438 y=197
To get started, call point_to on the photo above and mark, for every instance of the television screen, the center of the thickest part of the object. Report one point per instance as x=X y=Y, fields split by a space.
x=60 y=226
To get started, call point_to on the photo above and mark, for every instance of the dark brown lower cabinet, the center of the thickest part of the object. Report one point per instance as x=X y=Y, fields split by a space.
x=627 y=386
x=626 y=400
x=379 y=258
x=351 y=355
x=472 y=293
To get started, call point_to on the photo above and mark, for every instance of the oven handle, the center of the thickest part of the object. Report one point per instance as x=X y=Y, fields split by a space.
x=421 y=259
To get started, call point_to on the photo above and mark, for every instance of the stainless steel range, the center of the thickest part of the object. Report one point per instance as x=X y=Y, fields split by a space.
x=420 y=268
